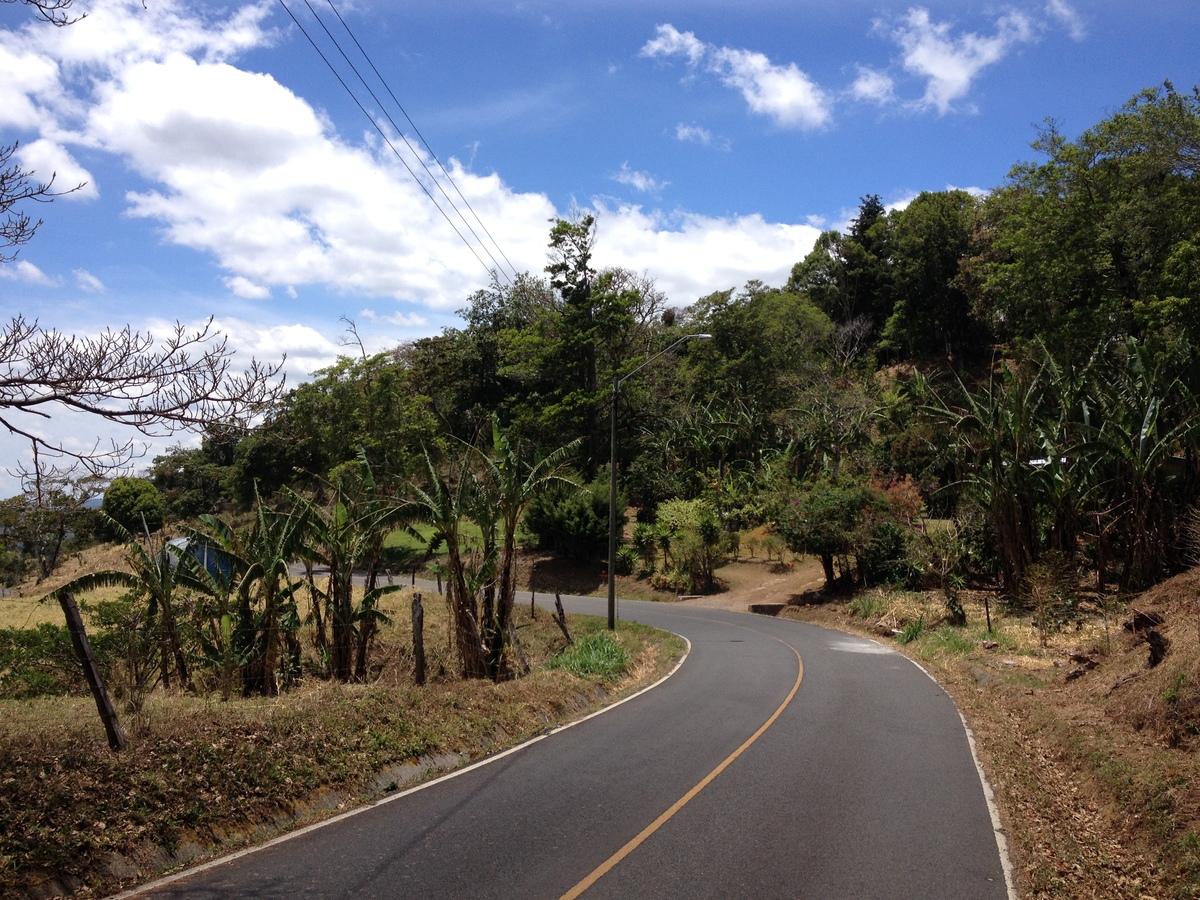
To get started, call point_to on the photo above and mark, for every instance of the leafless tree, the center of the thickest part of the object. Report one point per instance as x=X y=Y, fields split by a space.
x=56 y=12
x=51 y=505
x=17 y=186
x=127 y=377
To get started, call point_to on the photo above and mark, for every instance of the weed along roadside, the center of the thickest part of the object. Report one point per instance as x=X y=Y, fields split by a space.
x=201 y=776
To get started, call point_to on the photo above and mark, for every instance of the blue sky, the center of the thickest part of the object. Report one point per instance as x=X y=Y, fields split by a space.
x=229 y=174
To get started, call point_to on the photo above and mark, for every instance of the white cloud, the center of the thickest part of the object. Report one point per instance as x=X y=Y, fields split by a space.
x=88 y=282
x=240 y=168
x=669 y=41
x=784 y=94
x=901 y=202
x=872 y=86
x=1068 y=17
x=690 y=256
x=23 y=270
x=247 y=289
x=28 y=80
x=951 y=63
x=639 y=181
x=693 y=133
x=403 y=319
x=306 y=348
x=51 y=163
x=976 y=192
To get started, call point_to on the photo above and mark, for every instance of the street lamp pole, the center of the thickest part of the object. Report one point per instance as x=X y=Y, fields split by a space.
x=612 y=476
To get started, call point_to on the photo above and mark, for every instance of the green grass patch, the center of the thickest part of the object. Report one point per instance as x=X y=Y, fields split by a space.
x=595 y=655
x=868 y=606
x=912 y=631
x=949 y=641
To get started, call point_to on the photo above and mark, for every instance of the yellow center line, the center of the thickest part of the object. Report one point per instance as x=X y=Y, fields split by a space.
x=605 y=867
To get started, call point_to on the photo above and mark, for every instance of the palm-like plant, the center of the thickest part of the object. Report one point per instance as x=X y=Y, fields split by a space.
x=508 y=483
x=262 y=583
x=1147 y=416
x=996 y=430
x=153 y=575
x=443 y=503
x=347 y=536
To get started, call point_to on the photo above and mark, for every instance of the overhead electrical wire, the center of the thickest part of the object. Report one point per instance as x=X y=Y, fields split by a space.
x=397 y=129
x=417 y=131
x=493 y=270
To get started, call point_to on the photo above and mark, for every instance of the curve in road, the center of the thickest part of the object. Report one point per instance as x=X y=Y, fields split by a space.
x=782 y=760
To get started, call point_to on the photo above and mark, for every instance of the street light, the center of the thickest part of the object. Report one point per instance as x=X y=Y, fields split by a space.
x=612 y=478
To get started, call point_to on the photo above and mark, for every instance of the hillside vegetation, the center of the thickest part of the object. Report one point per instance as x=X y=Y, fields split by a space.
x=969 y=397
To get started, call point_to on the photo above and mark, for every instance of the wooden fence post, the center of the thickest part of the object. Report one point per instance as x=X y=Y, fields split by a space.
x=91 y=671
x=561 y=619
x=418 y=624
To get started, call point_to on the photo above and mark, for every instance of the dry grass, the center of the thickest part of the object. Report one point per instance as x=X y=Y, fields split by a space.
x=202 y=775
x=23 y=607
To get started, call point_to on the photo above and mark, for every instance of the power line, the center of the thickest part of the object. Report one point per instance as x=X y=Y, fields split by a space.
x=387 y=140
x=415 y=154
x=417 y=131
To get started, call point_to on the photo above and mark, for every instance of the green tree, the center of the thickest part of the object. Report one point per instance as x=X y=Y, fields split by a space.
x=195 y=480
x=848 y=276
x=135 y=504
x=931 y=317
x=1099 y=239
x=365 y=403
x=51 y=514
x=835 y=522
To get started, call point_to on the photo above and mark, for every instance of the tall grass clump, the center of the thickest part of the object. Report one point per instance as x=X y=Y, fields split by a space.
x=596 y=655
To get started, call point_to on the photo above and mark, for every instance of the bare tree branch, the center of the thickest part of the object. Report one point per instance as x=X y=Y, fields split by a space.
x=17 y=186
x=127 y=377
x=53 y=11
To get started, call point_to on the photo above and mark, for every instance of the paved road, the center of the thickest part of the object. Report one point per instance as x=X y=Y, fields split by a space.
x=781 y=760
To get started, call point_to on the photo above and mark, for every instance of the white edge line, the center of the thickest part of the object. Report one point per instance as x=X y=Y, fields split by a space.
x=988 y=795
x=487 y=760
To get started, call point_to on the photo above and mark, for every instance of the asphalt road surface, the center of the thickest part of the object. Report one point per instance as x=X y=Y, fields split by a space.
x=780 y=760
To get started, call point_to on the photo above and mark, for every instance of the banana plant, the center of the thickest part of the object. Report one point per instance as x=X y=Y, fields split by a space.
x=507 y=484
x=152 y=575
x=347 y=535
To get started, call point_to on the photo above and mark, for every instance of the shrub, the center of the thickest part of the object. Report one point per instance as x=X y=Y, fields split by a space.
x=133 y=501
x=692 y=540
x=886 y=558
x=573 y=522
x=1049 y=590
x=627 y=560
x=38 y=662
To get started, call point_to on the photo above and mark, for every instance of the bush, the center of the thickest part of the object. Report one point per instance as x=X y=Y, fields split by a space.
x=886 y=559
x=38 y=662
x=627 y=560
x=692 y=541
x=573 y=522
x=131 y=501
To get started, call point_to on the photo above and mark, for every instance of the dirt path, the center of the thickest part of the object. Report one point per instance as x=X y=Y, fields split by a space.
x=758 y=581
